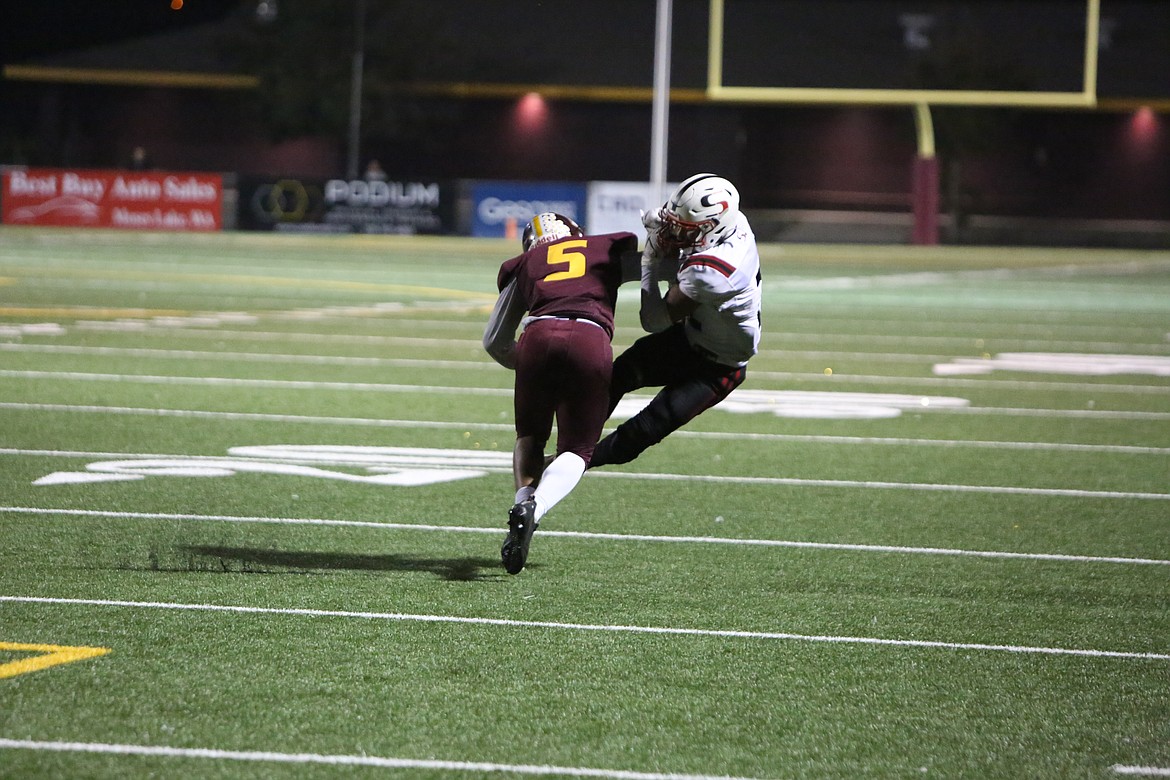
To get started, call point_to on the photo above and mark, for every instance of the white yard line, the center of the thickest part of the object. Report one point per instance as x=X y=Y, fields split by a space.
x=353 y=360
x=774 y=438
x=592 y=627
x=880 y=485
x=159 y=751
x=721 y=540
x=287 y=384
x=904 y=336
x=1141 y=771
x=1104 y=414
x=964 y=343
x=781 y=376
x=218 y=334
x=269 y=357
x=263 y=417
x=811 y=327
x=192 y=354
x=951 y=381
x=740 y=480
x=381 y=762
x=1116 y=449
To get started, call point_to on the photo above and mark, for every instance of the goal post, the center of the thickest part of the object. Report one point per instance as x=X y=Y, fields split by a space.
x=925 y=171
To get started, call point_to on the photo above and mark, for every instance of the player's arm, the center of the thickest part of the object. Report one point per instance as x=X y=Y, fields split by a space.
x=660 y=311
x=631 y=261
x=678 y=304
x=499 y=335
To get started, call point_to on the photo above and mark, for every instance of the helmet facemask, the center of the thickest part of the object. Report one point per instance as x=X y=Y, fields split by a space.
x=675 y=233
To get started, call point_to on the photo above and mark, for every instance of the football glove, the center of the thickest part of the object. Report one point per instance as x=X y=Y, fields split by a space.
x=650 y=220
x=651 y=254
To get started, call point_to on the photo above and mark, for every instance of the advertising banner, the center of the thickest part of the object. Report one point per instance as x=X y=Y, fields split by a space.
x=501 y=208
x=116 y=199
x=296 y=205
x=618 y=205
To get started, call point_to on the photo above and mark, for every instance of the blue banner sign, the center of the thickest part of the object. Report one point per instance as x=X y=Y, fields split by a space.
x=502 y=208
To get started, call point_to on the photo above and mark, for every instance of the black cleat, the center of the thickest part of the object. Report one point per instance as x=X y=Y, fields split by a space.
x=521 y=525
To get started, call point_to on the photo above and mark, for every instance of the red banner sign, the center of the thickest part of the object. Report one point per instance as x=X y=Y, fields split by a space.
x=119 y=199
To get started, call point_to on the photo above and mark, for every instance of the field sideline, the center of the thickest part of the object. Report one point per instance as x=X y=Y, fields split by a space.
x=255 y=488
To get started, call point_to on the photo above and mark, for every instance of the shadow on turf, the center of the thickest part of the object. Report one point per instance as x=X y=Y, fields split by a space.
x=248 y=560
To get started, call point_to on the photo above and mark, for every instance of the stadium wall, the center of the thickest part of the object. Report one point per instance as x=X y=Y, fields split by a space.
x=809 y=172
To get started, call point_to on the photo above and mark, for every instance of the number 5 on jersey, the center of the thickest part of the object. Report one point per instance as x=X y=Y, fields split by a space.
x=560 y=254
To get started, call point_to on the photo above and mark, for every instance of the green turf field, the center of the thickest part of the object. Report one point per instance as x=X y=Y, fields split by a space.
x=254 y=489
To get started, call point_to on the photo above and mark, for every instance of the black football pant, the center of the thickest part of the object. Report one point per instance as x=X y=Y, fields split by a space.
x=690 y=384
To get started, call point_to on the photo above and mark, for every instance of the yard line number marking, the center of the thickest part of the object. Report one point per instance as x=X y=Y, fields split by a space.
x=343 y=760
x=626 y=629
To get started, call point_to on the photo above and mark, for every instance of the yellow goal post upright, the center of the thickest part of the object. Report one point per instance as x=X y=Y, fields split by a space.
x=925 y=174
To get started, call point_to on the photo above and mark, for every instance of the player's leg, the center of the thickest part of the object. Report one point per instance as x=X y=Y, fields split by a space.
x=646 y=363
x=527 y=461
x=678 y=403
x=657 y=360
x=536 y=384
x=534 y=404
x=586 y=367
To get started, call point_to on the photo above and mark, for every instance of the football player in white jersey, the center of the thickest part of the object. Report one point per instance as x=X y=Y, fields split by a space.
x=703 y=330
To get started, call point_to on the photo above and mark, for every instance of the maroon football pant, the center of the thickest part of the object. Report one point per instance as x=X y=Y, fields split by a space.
x=563 y=370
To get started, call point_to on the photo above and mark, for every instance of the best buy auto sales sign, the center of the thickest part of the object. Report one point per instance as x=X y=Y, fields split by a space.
x=118 y=199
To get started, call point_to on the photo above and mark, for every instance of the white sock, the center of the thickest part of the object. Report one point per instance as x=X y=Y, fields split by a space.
x=558 y=480
x=524 y=493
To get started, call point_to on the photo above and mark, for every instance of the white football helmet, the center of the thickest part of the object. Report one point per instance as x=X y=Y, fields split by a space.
x=546 y=227
x=702 y=211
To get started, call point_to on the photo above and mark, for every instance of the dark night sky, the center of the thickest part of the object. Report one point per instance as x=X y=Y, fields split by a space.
x=36 y=28
x=842 y=46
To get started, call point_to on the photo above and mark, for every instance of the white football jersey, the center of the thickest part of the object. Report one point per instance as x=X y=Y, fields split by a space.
x=725 y=280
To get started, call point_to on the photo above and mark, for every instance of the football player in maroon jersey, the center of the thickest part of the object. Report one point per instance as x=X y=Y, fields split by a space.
x=561 y=291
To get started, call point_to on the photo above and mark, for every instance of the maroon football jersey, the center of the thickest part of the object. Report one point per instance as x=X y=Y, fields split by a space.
x=571 y=277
